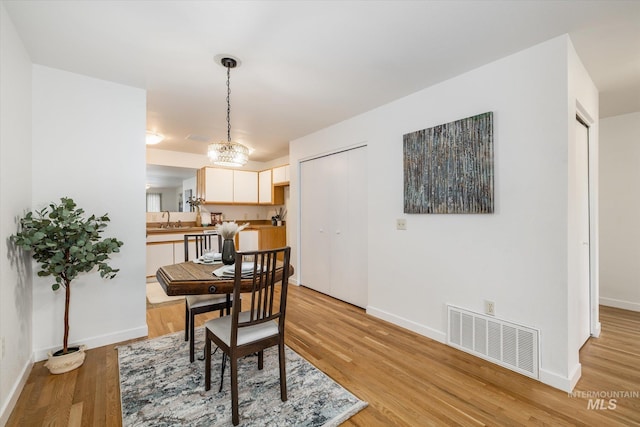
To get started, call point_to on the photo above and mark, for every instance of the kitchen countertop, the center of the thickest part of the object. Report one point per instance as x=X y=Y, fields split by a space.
x=193 y=229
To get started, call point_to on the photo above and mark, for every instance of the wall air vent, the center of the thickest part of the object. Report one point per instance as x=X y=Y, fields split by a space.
x=505 y=343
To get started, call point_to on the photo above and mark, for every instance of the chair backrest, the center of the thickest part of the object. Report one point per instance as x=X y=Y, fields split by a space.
x=266 y=272
x=208 y=241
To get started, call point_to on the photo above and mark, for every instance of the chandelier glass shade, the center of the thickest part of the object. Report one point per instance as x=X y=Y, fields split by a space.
x=228 y=153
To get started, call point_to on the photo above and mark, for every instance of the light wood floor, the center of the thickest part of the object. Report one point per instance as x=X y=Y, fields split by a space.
x=406 y=378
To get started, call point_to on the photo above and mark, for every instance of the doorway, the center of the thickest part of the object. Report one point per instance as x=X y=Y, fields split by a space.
x=584 y=227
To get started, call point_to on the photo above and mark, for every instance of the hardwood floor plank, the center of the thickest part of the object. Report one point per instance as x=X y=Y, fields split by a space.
x=407 y=379
x=75 y=415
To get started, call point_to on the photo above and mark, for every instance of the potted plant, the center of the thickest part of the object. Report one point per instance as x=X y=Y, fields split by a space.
x=277 y=219
x=228 y=231
x=65 y=243
x=195 y=203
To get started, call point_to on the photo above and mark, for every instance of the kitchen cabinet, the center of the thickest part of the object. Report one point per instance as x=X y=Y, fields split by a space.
x=161 y=250
x=273 y=237
x=165 y=249
x=227 y=186
x=245 y=187
x=265 y=188
x=218 y=185
x=281 y=174
x=265 y=237
x=268 y=193
x=158 y=254
x=333 y=225
x=248 y=240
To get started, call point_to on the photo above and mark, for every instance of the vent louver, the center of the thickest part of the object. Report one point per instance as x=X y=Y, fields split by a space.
x=499 y=341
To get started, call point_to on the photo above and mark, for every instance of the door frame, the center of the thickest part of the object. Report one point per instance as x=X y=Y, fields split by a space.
x=585 y=118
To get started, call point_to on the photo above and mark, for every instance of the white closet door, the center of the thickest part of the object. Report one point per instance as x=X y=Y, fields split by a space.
x=314 y=227
x=356 y=275
x=339 y=238
x=333 y=225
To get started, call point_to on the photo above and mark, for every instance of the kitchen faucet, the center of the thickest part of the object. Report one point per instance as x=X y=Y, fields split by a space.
x=168 y=224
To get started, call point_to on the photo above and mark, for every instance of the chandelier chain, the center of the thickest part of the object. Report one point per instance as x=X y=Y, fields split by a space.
x=228 y=153
x=228 y=104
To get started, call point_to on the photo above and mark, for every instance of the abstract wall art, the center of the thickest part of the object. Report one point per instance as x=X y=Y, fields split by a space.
x=448 y=169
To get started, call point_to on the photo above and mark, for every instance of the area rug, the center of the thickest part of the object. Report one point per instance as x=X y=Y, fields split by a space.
x=159 y=387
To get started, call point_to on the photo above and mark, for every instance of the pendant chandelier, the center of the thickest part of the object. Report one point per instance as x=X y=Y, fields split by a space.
x=228 y=153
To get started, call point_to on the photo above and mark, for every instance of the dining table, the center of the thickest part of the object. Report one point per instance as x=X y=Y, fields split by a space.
x=194 y=278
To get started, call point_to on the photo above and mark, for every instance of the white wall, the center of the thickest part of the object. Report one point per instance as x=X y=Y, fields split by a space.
x=620 y=211
x=516 y=257
x=582 y=101
x=89 y=138
x=15 y=199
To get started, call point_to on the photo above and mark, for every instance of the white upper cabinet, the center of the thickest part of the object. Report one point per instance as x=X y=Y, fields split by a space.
x=265 y=187
x=281 y=174
x=245 y=186
x=219 y=185
x=230 y=186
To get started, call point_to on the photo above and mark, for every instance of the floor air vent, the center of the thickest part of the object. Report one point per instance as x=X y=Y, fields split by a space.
x=510 y=345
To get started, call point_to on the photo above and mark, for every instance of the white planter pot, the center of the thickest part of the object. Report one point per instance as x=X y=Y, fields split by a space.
x=66 y=362
x=205 y=218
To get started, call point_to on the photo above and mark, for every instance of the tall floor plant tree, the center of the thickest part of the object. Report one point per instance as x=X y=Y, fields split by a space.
x=65 y=243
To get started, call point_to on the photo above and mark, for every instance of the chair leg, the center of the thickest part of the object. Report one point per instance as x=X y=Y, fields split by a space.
x=192 y=333
x=207 y=363
x=235 y=417
x=224 y=362
x=260 y=360
x=283 y=372
x=186 y=321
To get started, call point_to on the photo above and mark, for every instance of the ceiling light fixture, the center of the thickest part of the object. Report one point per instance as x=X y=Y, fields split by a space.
x=228 y=153
x=153 y=138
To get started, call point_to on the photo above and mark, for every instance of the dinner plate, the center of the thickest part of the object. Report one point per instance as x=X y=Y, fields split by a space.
x=230 y=270
x=247 y=267
x=201 y=261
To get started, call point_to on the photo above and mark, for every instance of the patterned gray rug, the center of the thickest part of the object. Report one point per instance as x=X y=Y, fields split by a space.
x=159 y=387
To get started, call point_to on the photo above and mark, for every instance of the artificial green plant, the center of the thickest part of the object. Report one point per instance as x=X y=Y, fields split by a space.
x=66 y=243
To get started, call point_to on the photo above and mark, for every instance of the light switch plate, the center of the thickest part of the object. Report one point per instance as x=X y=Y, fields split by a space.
x=401 y=224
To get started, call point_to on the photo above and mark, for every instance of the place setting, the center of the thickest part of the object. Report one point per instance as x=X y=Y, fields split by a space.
x=209 y=257
x=229 y=271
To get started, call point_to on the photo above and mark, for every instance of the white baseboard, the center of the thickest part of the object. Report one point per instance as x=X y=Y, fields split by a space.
x=408 y=324
x=99 y=341
x=561 y=383
x=618 y=303
x=596 y=330
x=550 y=378
x=14 y=393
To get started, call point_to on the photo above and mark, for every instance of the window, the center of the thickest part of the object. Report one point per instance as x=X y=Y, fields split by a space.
x=154 y=202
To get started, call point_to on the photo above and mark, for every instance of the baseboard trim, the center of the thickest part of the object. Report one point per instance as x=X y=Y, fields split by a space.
x=14 y=393
x=618 y=303
x=550 y=378
x=561 y=383
x=99 y=341
x=408 y=324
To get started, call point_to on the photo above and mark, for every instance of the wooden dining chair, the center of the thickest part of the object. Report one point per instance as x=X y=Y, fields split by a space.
x=259 y=327
x=198 y=304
